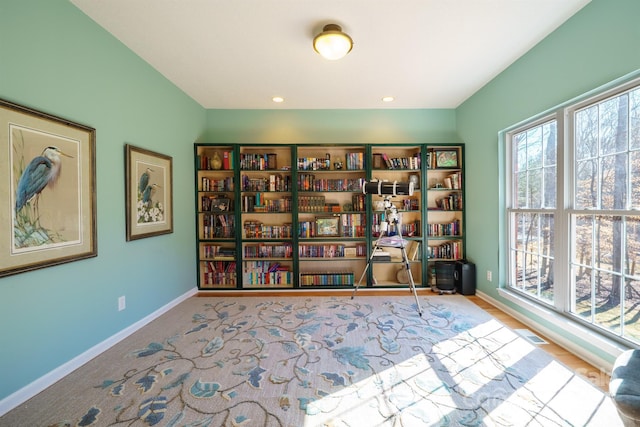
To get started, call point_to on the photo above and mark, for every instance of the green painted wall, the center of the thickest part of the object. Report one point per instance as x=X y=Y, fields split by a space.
x=55 y=59
x=597 y=45
x=334 y=126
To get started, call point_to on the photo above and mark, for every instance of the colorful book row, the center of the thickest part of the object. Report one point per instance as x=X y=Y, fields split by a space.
x=274 y=182
x=220 y=273
x=408 y=229
x=331 y=251
x=314 y=163
x=445 y=229
x=212 y=184
x=453 y=202
x=412 y=162
x=449 y=250
x=310 y=183
x=263 y=250
x=216 y=251
x=258 y=161
x=258 y=230
x=266 y=273
x=260 y=203
x=220 y=226
x=222 y=280
x=327 y=278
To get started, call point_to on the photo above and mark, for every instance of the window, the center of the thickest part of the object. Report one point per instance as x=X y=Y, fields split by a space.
x=531 y=217
x=594 y=200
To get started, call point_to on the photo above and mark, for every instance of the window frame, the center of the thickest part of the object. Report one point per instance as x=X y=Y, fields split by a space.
x=564 y=211
x=511 y=196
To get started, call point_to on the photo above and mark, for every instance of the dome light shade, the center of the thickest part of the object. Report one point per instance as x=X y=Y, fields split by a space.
x=332 y=43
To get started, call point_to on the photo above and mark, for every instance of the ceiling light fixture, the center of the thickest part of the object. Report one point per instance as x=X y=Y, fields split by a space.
x=387 y=99
x=277 y=99
x=332 y=43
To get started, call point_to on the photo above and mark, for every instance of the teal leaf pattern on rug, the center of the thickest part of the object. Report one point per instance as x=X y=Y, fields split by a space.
x=352 y=327
x=255 y=377
x=240 y=420
x=204 y=389
x=385 y=326
x=151 y=349
x=106 y=384
x=175 y=421
x=90 y=417
x=177 y=383
x=293 y=361
x=146 y=383
x=352 y=356
x=197 y=328
x=334 y=379
x=152 y=410
x=117 y=390
x=389 y=345
x=213 y=346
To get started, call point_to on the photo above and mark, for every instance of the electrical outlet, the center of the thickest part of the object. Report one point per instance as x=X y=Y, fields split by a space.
x=489 y=275
x=122 y=303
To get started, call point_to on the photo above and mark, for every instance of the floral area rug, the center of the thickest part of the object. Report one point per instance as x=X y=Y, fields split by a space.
x=302 y=361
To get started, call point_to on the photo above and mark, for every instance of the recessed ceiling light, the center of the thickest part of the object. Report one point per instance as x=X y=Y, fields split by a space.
x=388 y=98
x=277 y=99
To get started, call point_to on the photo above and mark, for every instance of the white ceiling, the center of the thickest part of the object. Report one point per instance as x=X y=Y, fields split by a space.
x=238 y=54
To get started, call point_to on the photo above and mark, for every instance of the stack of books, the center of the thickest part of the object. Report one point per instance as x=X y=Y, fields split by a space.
x=380 y=255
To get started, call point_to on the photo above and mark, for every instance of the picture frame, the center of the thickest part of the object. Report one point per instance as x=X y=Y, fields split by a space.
x=328 y=226
x=148 y=193
x=48 y=180
x=447 y=158
x=350 y=252
x=219 y=204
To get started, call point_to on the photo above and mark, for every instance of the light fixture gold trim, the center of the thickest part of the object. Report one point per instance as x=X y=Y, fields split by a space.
x=332 y=43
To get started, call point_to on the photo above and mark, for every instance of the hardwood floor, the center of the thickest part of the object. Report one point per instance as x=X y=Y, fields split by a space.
x=597 y=377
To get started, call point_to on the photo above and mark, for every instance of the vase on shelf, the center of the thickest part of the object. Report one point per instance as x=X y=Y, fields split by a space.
x=216 y=161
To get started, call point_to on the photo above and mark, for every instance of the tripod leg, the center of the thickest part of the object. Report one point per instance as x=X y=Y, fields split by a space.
x=353 y=294
x=375 y=247
x=412 y=285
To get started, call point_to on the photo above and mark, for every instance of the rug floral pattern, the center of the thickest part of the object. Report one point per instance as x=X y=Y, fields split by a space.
x=370 y=361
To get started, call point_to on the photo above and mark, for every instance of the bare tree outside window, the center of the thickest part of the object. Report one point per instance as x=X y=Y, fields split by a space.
x=606 y=289
x=595 y=220
x=532 y=219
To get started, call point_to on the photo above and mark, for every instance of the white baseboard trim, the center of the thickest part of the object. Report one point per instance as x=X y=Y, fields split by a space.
x=573 y=328
x=30 y=390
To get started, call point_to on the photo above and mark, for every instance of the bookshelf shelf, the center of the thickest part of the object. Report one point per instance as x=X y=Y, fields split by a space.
x=445 y=206
x=283 y=217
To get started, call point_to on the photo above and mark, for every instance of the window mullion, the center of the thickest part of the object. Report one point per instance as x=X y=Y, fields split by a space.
x=562 y=222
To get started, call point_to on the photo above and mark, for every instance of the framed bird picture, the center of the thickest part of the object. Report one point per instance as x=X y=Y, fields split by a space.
x=148 y=192
x=47 y=177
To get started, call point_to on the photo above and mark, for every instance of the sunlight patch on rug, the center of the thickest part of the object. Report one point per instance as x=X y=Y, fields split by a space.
x=397 y=391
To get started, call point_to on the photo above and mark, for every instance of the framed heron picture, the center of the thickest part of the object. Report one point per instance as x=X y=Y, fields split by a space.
x=47 y=178
x=148 y=192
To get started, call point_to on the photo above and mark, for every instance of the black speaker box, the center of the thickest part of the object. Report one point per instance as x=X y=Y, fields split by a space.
x=464 y=277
